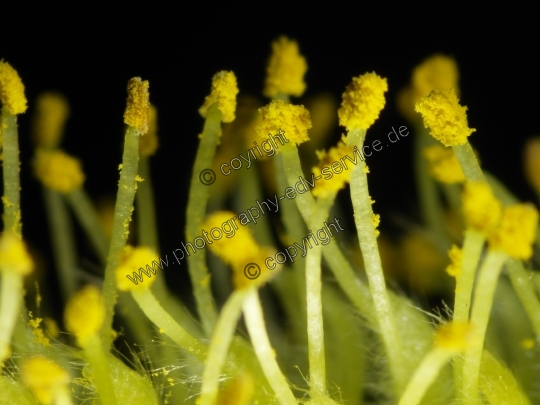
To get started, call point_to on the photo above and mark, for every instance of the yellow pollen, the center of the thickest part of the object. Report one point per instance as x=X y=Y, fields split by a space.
x=286 y=70
x=293 y=120
x=58 y=171
x=444 y=116
x=362 y=102
x=137 y=105
x=11 y=90
x=224 y=91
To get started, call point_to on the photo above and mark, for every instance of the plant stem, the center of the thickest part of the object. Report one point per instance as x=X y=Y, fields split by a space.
x=122 y=217
x=424 y=376
x=62 y=240
x=522 y=283
x=167 y=325
x=11 y=165
x=196 y=211
x=361 y=201
x=468 y=162
x=259 y=338
x=219 y=346
x=86 y=214
x=483 y=301
x=10 y=303
x=101 y=372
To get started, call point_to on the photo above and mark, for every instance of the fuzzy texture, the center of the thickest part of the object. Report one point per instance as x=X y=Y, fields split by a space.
x=286 y=70
x=224 y=91
x=293 y=120
x=516 y=231
x=84 y=314
x=362 y=102
x=444 y=116
x=11 y=90
x=443 y=164
x=14 y=255
x=137 y=105
x=58 y=171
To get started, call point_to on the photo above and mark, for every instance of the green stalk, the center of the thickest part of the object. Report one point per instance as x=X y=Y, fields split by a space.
x=317 y=364
x=259 y=338
x=101 y=372
x=86 y=214
x=196 y=211
x=122 y=217
x=472 y=249
x=219 y=346
x=361 y=201
x=424 y=376
x=11 y=164
x=10 y=303
x=62 y=241
x=521 y=281
x=428 y=195
x=483 y=301
x=468 y=162
x=146 y=211
x=161 y=318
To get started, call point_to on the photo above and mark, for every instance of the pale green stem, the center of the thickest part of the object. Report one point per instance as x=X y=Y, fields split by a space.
x=122 y=217
x=317 y=364
x=259 y=338
x=101 y=372
x=361 y=201
x=10 y=303
x=522 y=283
x=195 y=215
x=424 y=376
x=219 y=346
x=10 y=165
x=63 y=240
x=63 y=397
x=428 y=196
x=472 y=249
x=146 y=211
x=353 y=287
x=86 y=214
x=469 y=164
x=483 y=301
x=167 y=325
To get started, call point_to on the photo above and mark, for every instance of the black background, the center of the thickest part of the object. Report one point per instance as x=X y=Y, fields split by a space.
x=89 y=53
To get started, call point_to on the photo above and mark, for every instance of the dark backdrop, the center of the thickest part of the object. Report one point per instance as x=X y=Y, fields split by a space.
x=88 y=53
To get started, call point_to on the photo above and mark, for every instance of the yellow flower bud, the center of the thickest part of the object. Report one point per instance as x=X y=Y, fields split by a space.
x=136 y=260
x=481 y=210
x=293 y=120
x=85 y=313
x=14 y=255
x=444 y=116
x=516 y=231
x=45 y=378
x=224 y=91
x=58 y=171
x=286 y=70
x=52 y=110
x=443 y=164
x=363 y=100
x=137 y=105
x=11 y=90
